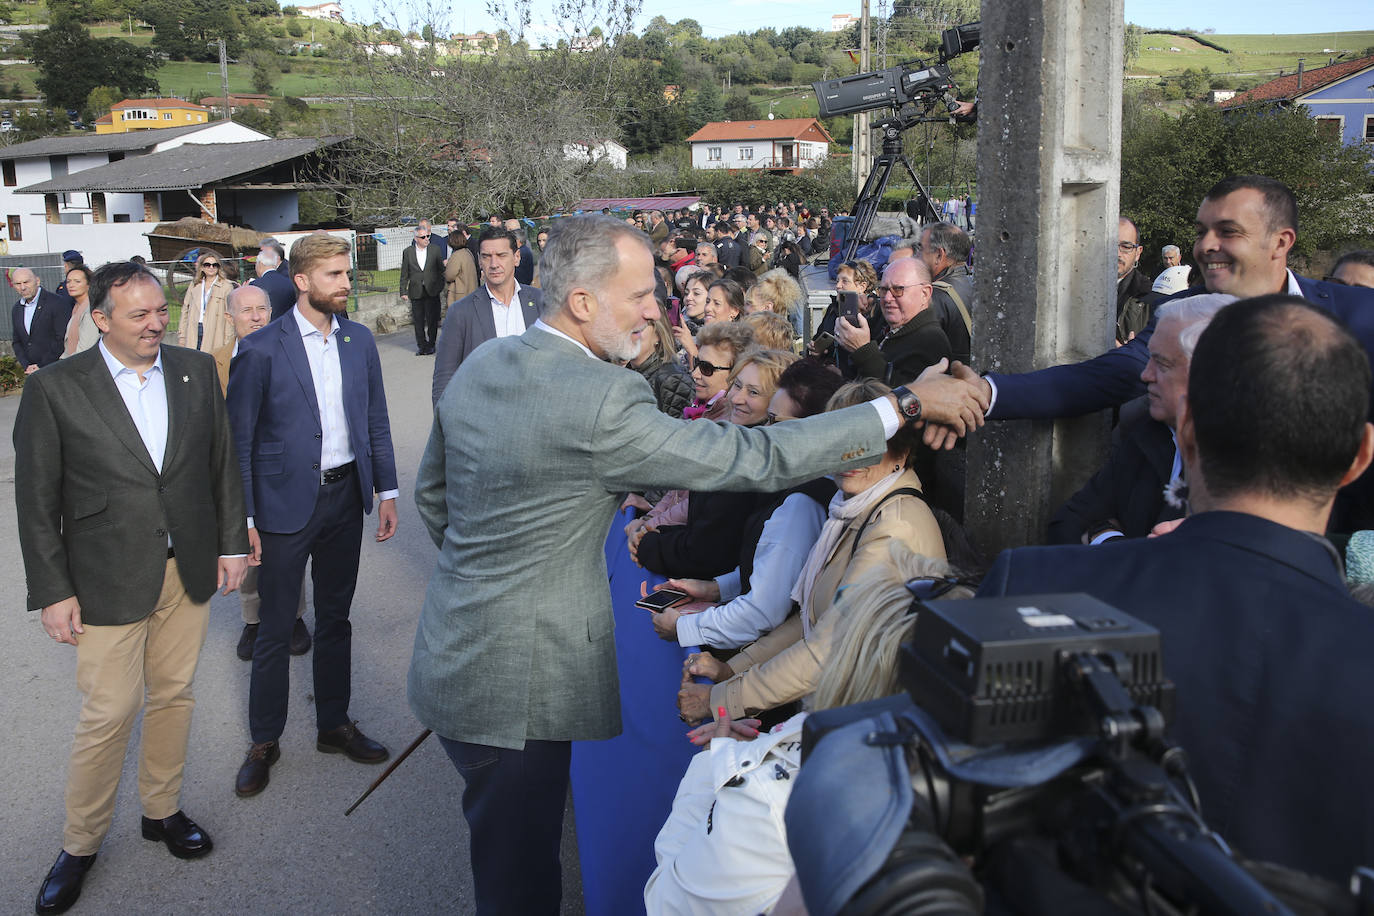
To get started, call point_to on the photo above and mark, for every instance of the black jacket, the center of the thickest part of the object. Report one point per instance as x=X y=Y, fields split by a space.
x=43 y=342
x=1129 y=487
x=671 y=381
x=708 y=545
x=903 y=354
x=951 y=319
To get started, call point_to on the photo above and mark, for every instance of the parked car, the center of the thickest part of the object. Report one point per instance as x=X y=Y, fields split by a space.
x=7 y=126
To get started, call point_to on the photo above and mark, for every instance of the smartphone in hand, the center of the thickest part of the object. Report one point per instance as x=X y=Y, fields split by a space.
x=662 y=599
x=849 y=307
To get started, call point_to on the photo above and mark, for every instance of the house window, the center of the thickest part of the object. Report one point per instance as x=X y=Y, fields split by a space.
x=121 y=217
x=10 y=180
x=713 y=153
x=167 y=116
x=746 y=153
x=1330 y=127
x=16 y=228
x=1369 y=128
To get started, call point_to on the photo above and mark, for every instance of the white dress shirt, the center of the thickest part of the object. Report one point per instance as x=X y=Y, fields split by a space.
x=421 y=257
x=509 y=318
x=327 y=374
x=146 y=399
x=323 y=354
x=31 y=309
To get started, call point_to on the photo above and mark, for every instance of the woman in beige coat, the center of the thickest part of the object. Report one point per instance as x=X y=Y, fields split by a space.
x=874 y=507
x=205 y=323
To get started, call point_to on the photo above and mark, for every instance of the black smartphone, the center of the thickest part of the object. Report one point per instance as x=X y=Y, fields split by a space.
x=824 y=342
x=662 y=599
x=849 y=307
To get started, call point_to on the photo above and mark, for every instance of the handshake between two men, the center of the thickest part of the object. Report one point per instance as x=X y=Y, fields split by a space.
x=954 y=401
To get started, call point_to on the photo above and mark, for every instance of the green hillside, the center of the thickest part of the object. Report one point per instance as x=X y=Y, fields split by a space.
x=1255 y=57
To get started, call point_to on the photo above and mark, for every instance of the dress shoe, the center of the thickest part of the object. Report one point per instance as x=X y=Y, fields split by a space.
x=253 y=775
x=247 y=641
x=346 y=739
x=300 y=638
x=63 y=884
x=183 y=837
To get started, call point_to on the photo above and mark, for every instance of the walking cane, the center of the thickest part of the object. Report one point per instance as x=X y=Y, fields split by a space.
x=389 y=770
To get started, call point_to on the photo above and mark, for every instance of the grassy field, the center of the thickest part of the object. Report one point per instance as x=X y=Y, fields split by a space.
x=1250 y=54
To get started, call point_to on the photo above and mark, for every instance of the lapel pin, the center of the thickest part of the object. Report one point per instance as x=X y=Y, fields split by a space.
x=185 y=378
x=347 y=339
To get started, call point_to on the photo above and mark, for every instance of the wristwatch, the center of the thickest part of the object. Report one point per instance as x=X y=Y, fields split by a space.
x=907 y=403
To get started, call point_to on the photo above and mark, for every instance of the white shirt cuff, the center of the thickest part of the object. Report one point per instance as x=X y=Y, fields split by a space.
x=250 y=522
x=388 y=494
x=992 y=402
x=888 y=414
x=688 y=630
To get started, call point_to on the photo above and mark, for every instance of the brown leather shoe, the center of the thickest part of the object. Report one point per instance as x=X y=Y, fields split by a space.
x=62 y=886
x=253 y=776
x=346 y=739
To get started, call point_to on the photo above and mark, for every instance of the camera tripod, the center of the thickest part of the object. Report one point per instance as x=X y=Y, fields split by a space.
x=866 y=205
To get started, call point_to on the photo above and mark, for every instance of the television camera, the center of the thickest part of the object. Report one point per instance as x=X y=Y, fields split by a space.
x=1035 y=749
x=912 y=91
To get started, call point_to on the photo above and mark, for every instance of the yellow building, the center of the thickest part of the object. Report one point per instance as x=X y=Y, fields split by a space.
x=150 y=114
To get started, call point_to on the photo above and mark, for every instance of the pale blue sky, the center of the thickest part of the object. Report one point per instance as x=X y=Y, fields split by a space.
x=721 y=17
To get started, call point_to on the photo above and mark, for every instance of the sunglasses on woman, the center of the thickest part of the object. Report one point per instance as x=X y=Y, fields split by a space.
x=707 y=369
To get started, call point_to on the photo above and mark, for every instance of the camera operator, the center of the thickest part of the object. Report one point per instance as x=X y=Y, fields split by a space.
x=1260 y=635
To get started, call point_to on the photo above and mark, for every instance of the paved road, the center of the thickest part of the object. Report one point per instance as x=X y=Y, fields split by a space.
x=289 y=850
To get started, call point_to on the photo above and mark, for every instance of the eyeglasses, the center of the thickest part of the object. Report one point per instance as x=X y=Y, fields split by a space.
x=214 y=265
x=896 y=291
x=425 y=236
x=1127 y=247
x=707 y=370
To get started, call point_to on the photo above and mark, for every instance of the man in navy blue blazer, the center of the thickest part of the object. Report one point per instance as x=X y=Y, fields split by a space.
x=1267 y=648
x=308 y=412
x=1246 y=226
x=281 y=292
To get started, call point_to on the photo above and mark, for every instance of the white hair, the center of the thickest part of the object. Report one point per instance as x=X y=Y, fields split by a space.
x=1193 y=315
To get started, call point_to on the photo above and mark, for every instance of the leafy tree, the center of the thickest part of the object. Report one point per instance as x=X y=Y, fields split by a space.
x=739 y=108
x=1172 y=163
x=100 y=100
x=706 y=106
x=295 y=29
x=258 y=119
x=265 y=72
x=189 y=29
x=71 y=63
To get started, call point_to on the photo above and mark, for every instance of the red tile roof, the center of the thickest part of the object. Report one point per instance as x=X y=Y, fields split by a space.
x=1286 y=87
x=777 y=129
x=156 y=103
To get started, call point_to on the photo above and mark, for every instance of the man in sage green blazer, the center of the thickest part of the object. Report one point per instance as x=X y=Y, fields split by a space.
x=513 y=660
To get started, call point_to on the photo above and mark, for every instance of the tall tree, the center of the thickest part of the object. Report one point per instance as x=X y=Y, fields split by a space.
x=71 y=63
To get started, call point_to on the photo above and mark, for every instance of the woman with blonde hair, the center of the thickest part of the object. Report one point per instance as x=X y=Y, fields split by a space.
x=753 y=382
x=205 y=323
x=777 y=292
x=771 y=330
x=875 y=506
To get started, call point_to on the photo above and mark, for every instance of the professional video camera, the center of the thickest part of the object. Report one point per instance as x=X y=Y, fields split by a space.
x=1037 y=751
x=913 y=82
x=911 y=92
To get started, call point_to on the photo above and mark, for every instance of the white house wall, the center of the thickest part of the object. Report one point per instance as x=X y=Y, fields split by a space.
x=761 y=153
x=103 y=243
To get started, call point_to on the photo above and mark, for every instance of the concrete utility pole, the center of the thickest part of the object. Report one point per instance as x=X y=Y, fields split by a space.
x=863 y=151
x=1049 y=156
x=224 y=78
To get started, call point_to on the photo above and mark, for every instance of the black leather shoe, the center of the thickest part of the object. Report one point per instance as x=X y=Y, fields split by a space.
x=247 y=641
x=300 y=638
x=253 y=775
x=346 y=739
x=183 y=837
x=63 y=884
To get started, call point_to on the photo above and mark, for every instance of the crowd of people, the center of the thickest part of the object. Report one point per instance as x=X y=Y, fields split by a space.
x=786 y=483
